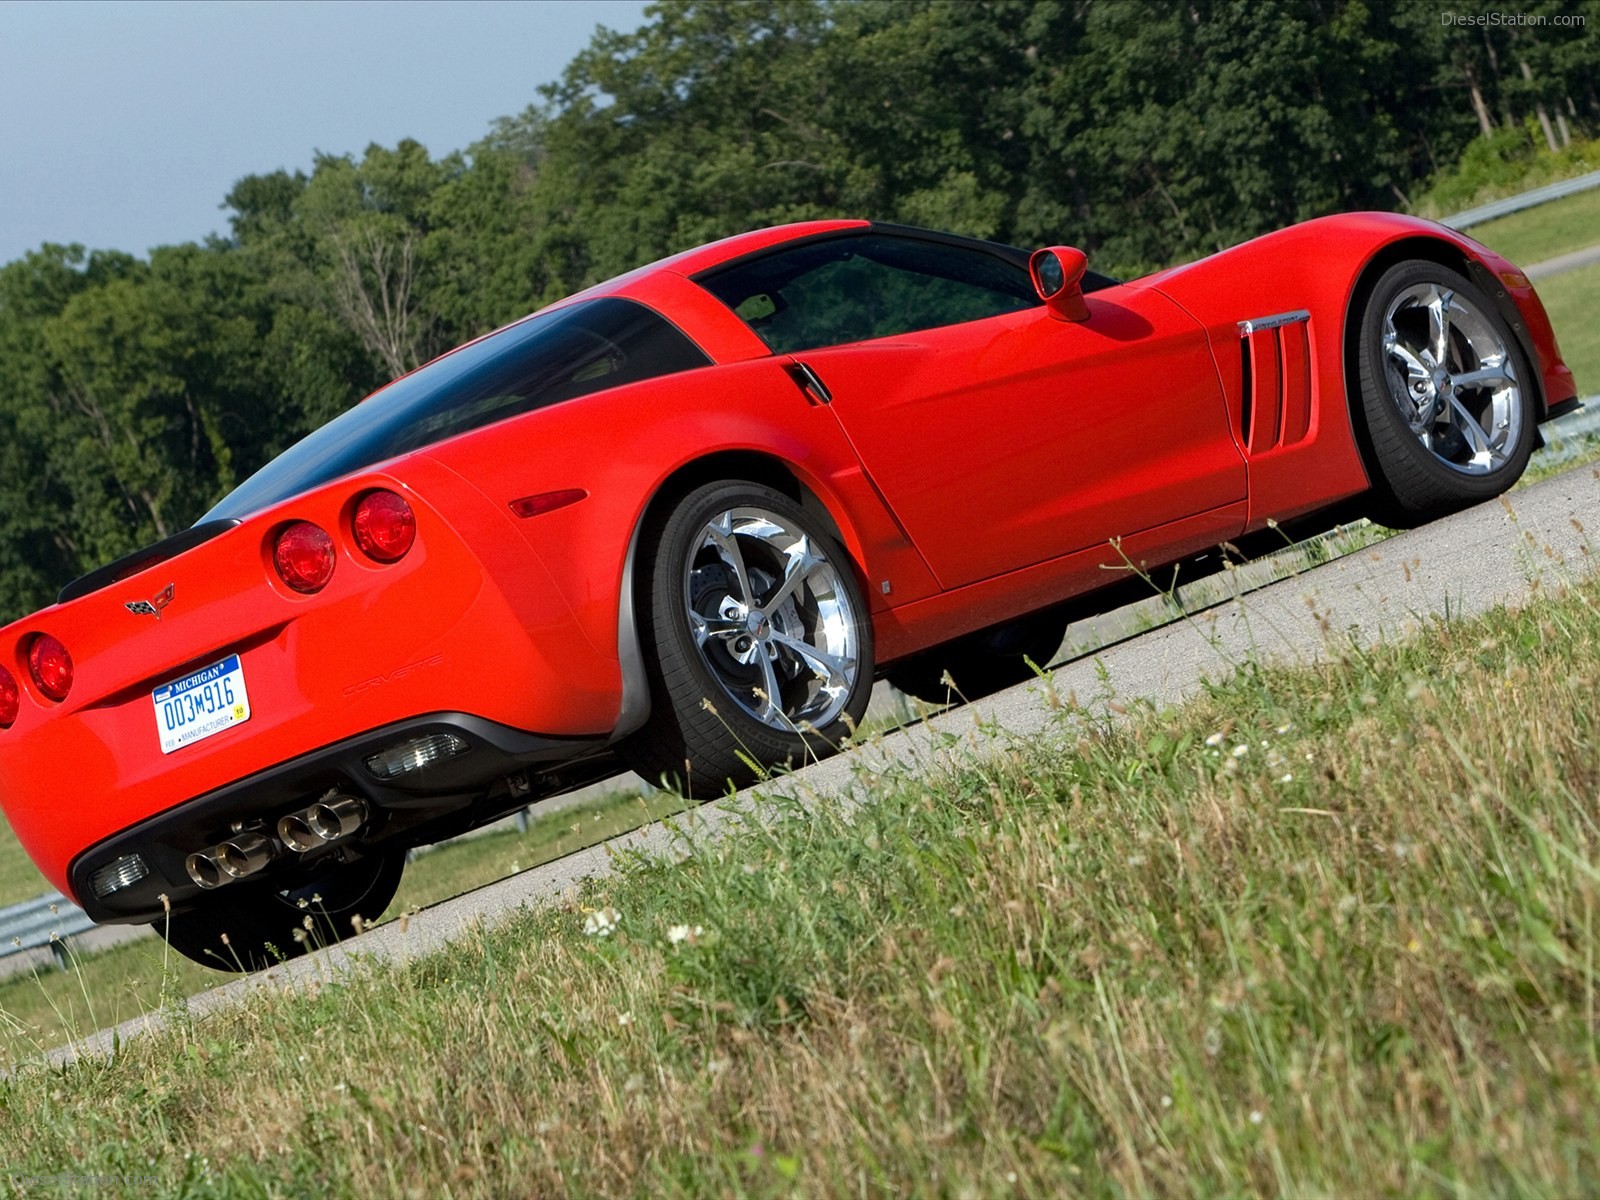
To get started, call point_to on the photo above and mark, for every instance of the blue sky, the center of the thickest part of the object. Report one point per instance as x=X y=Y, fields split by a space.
x=123 y=125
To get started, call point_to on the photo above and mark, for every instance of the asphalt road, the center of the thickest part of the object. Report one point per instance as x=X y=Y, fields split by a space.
x=1496 y=553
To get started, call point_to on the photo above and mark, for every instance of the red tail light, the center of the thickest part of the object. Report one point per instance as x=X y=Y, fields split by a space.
x=304 y=557
x=9 y=698
x=385 y=526
x=51 y=666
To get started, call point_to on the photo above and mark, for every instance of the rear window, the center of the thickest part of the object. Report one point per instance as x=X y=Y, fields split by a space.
x=574 y=351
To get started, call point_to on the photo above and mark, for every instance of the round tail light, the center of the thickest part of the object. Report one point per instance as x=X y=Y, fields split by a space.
x=384 y=526
x=304 y=557
x=10 y=697
x=51 y=666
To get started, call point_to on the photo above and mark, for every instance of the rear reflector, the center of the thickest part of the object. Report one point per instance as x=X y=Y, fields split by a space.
x=533 y=506
x=416 y=754
x=303 y=555
x=10 y=697
x=117 y=874
x=51 y=666
x=384 y=526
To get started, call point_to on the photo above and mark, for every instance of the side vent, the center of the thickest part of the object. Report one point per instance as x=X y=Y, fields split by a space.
x=1275 y=377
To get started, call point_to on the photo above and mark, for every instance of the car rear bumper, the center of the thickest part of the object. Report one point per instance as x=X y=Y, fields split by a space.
x=468 y=622
x=494 y=759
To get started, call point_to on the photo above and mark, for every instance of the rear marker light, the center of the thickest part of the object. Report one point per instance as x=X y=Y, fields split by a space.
x=416 y=754
x=533 y=506
x=117 y=874
x=51 y=666
x=385 y=527
x=10 y=698
x=304 y=558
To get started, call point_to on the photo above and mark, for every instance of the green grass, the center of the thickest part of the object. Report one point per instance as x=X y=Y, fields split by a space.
x=19 y=878
x=1330 y=931
x=47 y=1007
x=468 y=863
x=1535 y=234
x=1573 y=302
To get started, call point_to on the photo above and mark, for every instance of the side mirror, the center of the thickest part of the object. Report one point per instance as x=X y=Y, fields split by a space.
x=1057 y=273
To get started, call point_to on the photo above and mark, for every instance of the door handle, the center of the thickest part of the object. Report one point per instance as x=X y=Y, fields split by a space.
x=809 y=382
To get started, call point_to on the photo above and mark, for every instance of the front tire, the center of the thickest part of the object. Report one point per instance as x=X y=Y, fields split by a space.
x=1446 y=394
x=758 y=643
x=251 y=925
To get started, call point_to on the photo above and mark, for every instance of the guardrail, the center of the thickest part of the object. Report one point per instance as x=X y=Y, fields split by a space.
x=1511 y=204
x=45 y=921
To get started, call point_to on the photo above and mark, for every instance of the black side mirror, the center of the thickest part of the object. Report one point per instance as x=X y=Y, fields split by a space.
x=1057 y=273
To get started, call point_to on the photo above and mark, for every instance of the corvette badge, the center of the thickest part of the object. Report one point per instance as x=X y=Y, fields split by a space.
x=151 y=607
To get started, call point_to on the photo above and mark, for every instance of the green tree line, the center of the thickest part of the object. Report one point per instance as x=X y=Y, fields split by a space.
x=135 y=392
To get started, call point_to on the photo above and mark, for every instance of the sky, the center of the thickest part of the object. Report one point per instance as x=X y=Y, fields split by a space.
x=124 y=124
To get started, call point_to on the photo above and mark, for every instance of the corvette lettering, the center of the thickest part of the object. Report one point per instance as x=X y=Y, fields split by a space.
x=394 y=676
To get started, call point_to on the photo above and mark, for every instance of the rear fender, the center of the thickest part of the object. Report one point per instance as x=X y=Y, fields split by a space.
x=646 y=444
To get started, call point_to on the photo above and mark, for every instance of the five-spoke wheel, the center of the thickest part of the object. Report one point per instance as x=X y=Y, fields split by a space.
x=757 y=640
x=1445 y=393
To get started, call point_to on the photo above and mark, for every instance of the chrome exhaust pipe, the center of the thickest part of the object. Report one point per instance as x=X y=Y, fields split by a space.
x=331 y=819
x=239 y=857
x=204 y=868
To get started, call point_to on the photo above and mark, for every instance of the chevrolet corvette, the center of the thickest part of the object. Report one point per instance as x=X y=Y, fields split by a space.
x=680 y=522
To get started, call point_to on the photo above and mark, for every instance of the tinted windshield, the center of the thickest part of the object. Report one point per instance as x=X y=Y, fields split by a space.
x=544 y=360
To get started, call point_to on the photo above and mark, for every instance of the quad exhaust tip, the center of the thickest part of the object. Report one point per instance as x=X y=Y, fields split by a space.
x=238 y=857
x=331 y=819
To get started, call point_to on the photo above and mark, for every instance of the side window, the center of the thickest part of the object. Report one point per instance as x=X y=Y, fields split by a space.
x=850 y=289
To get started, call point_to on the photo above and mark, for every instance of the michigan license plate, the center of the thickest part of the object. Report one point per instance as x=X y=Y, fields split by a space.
x=191 y=709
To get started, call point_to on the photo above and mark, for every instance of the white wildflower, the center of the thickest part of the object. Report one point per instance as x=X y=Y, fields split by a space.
x=1214 y=740
x=602 y=923
x=1241 y=750
x=683 y=933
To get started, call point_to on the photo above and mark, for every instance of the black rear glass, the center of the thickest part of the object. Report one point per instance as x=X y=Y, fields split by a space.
x=584 y=348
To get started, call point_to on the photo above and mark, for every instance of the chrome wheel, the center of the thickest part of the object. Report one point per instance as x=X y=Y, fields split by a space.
x=1453 y=378
x=771 y=618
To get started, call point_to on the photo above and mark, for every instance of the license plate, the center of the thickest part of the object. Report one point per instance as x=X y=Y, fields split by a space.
x=193 y=708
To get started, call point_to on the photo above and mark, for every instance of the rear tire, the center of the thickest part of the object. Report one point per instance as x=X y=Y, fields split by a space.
x=264 y=923
x=1446 y=395
x=757 y=641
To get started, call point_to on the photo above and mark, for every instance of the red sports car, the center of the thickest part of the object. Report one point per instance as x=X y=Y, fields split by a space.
x=681 y=521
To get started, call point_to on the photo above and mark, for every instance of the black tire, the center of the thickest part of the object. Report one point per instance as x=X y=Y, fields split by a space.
x=982 y=663
x=706 y=728
x=266 y=923
x=1423 y=429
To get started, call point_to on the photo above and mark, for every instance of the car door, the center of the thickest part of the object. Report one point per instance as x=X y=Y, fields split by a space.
x=1009 y=437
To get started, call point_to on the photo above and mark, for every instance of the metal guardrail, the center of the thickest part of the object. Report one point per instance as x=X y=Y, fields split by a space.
x=1511 y=204
x=45 y=921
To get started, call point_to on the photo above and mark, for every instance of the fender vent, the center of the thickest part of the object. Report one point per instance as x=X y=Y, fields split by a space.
x=1275 y=380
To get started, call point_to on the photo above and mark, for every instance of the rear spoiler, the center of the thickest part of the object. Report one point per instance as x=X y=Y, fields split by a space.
x=132 y=564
